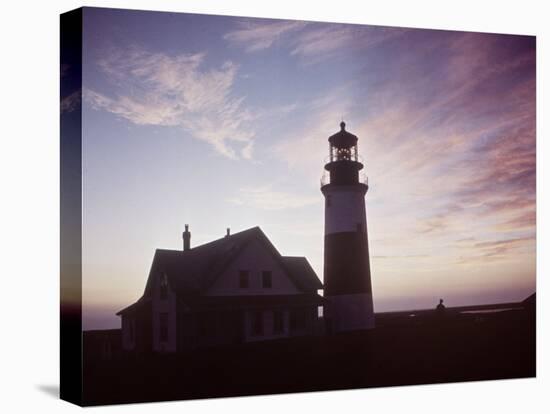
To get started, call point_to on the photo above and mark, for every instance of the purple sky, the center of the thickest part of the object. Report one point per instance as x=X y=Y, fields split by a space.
x=223 y=122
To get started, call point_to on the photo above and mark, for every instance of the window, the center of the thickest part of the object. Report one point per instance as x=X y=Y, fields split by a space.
x=257 y=323
x=320 y=311
x=163 y=327
x=243 y=279
x=266 y=279
x=163 y=286
x=278 y=322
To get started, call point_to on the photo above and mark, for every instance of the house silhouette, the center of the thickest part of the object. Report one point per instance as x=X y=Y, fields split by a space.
x=236 y=289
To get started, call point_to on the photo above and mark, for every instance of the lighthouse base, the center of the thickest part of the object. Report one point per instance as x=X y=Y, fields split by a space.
x=349 y=312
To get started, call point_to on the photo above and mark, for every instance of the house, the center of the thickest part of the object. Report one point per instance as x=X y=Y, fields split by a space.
x=232 y=290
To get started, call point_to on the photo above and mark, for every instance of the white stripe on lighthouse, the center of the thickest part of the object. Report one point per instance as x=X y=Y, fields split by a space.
x=345 y=209
x=351 y=312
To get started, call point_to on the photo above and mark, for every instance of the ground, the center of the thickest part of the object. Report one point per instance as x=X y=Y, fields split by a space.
x=402 y=350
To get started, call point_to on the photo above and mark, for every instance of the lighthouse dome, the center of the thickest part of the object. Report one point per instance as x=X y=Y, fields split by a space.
x=343 y=139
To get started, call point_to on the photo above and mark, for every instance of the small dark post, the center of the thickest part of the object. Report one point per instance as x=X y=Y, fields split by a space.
x=228 y=232
x=186 y=238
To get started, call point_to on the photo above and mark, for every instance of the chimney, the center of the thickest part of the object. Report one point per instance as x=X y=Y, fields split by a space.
x=186 y=238
x=228 y=232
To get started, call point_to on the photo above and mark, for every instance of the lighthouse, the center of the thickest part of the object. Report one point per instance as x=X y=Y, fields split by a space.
x=347 y=281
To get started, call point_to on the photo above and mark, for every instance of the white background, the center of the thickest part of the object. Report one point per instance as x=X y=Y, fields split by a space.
x=29 y=205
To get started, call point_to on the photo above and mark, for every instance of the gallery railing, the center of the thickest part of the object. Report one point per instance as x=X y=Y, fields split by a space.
x=325 y=179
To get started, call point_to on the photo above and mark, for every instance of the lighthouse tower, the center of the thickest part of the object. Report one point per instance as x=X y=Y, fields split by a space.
x=347 y=267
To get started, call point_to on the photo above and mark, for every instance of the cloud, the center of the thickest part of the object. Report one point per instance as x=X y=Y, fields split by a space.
x=436 y=223
x=450 y=153
x=310 y=41
x=64 y=70
x=304 y=149
x=324 y=40
x=483 y=153
x=497 y=250
x=520 y=221
x=159 y=89
x=71 y=102
x=502 y=244
x=267 y=199
x=256 y=36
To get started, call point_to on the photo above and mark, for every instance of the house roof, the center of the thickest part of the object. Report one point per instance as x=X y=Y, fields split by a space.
x=302 y=270
x=530 y=301
x=192 y=272
x=134 y=306
x=343 y=138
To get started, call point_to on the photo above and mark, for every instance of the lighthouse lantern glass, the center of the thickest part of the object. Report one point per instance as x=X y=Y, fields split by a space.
x=343 y=154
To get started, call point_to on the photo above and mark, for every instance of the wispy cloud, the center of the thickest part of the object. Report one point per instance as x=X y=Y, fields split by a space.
x=496 y=250
x=312 y=42
x=521 y=220
x=323 y=41
x=64 y=70
x=448 y=153
x=71 y=102
x=446 y=126
x=159 y=89
x=265 y=198
x=301 y=149
x=255 y=36
x=495 y=246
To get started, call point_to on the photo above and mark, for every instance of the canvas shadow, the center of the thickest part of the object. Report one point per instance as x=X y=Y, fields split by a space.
x=49 y=389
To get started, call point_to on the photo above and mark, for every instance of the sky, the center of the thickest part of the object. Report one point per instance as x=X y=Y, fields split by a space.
x=219 y=122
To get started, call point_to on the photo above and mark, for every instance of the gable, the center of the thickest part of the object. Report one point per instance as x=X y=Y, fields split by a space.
x=255 y=257
x=214 y=267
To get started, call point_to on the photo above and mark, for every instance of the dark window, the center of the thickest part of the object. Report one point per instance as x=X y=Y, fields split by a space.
x=163 y=286
x=163 y=333
x=278 y=322
x=243 y=279
x=266 y=279
x=257 y=323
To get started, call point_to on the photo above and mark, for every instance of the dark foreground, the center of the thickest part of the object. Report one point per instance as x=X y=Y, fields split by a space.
x=402 y=350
